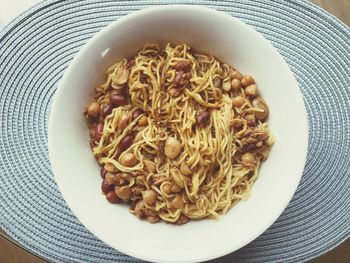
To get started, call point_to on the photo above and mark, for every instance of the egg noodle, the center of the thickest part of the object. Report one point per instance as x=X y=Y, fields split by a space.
x=196 y=151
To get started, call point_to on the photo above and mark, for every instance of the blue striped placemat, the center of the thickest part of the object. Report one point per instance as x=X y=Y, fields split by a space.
x=36 y=48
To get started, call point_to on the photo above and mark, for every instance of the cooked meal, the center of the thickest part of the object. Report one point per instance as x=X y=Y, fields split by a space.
x=179 y=135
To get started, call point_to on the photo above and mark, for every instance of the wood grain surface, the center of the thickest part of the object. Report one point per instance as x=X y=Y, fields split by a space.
x=10 y=252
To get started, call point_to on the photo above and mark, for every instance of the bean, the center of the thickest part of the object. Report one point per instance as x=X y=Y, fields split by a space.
x=172 y=147
x=260 y=104
x=251 y=91
x=143 y=121
x=217 y=82
x=123 y=122
x=99 y=131
x=118 y=100
x=226 y=86
x=262 y=134
x=203 y=117
x=182 y=79
x=122 y=75
x=250 y=119
x=238 y=101
x=174 y=92
x=103 y=172
x=149 y=196
x=112 y=197
x=105 y=187
x=106 y=110
x=183 y=66
x=247 y=81
x=184 y=169
x=119 y=181
x=94 y=109
x=128 y=160
x=248 y=159
x=175 y=188
x=111 y=178
x=130 y=64
x=152 y=219
x=236 y=75
x=150 y=167
x=126 y=142
x=123 y=192
x=176 y=202
x=167 y=188
x=139 y=209
x=236 y=84
x=182 y=219
x=187 y=76
x=136 y=113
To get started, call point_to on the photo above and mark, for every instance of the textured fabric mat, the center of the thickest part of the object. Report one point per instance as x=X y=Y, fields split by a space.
x=36 y=48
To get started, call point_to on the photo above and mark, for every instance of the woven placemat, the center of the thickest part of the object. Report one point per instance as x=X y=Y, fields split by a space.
x=36 y=48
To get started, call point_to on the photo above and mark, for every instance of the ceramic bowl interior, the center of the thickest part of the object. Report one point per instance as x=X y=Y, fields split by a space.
x=77 y=173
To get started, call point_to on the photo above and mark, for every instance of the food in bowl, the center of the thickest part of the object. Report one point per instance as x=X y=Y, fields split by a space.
x=178 y=134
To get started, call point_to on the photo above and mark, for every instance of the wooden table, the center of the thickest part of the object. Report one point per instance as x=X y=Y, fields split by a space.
x=11 y=252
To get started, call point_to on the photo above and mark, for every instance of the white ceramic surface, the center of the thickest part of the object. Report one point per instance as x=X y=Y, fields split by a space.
x=77 y=173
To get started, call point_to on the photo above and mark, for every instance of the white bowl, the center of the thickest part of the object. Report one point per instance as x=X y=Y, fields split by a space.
x=77 y=173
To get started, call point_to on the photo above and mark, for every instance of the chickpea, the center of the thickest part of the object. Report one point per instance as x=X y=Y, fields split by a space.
x=123 y=122
x=143 y=121
x=172 y=148
x=236 y=75
x=94 y=109
x=250 y=119
x=226 y=86
x=111 y=178
x=109 y=167
x=174 y=92
x=247 y=81
x=176 y=202
x=128 y=160
x=259 y=144
x=217 y=81
x=139 y=209
x=167 y=188
x=236 y=84
x=122 y=75
x=260 y=104
x=238 y=101
x=248 y=159
x=262 y=134
x=251 y=91
x=184 y=169
x=119 y=181
x=123 y=192
x=112 y=197
x=149 y=196
x=150 y=167
x=175 y=188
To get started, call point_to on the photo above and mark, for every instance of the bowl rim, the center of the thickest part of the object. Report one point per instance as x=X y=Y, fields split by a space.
x=131 y=16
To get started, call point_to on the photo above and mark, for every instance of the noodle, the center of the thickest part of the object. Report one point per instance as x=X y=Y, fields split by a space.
x=179 y=134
